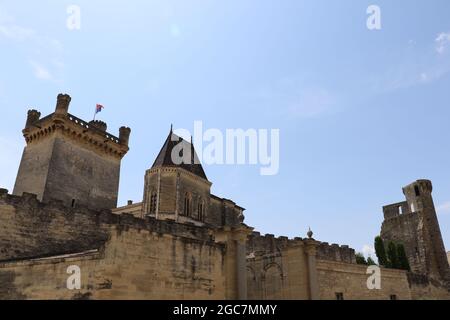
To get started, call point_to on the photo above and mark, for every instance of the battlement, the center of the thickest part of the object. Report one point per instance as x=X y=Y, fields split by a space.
x=334 y=252
x=92 y=134
x=63 y=148
x=30 y=202
x=262 y=244
x=37 y=229
x=258 y=244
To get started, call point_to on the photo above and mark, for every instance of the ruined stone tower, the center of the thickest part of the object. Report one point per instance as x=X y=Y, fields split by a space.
x=414 y=223
x=70 y=160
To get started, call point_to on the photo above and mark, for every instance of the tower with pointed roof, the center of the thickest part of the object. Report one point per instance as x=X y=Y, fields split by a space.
x=177 y=188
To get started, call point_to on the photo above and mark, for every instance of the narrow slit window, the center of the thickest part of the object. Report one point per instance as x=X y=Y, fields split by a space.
x=187 y=205
x=153 y=200
x=200 y=210
x=417 y=191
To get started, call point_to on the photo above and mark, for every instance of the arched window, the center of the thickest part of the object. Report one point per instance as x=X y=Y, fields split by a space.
x=187 y=205
x=200 y=211
x=153 y=200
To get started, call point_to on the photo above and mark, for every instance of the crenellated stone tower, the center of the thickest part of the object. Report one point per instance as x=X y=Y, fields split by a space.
x=414 y=223
x=70 y=160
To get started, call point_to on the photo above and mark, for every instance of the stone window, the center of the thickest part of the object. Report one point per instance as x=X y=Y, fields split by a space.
x=153 y=200
x=393 y=297
x=73 y=203
x=187 y=205
x=201 y=208
x=339 y=296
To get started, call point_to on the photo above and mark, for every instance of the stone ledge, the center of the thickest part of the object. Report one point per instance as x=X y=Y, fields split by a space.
x=86 y=255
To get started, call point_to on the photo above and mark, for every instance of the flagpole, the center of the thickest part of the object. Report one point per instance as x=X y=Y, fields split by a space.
x=97 y=110
x=95 y=113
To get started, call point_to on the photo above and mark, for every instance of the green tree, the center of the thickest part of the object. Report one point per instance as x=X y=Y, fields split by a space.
x=380 y=251
x=370 y=261
x=403 y=262
x=392 y=256
x=360 y=259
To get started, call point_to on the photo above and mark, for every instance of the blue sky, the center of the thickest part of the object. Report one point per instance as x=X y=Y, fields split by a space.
x=361 y=113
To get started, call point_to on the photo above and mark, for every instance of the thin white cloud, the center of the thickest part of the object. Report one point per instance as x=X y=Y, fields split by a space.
x=417 y=67
x=443 y=208
x=442 y=42
x=16 y=33
x=40 y=72
x=45 y=49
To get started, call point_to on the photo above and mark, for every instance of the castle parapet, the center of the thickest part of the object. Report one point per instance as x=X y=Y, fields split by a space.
x=92 y=134
x=334 y=252
x=67 y=230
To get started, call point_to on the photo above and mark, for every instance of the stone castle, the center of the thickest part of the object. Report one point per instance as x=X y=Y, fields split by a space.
x=181 y=241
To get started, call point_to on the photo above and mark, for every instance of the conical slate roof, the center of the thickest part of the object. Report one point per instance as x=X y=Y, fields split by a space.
x=164 y=158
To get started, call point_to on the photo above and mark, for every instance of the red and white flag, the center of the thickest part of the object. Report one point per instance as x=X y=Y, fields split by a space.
x=98 y=108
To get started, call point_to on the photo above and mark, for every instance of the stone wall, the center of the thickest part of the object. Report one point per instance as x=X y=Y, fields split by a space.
x=127 y=257
x=81 y=175
x=61 y=168
x=134 y=209
x=33 y=169
x=351 y=281
x=130 y=266
x=173 y=184
x=334 y=252
x=405 y=229
x=124 y=257
x=70 y=160
x=31 y=229
x=425 y=288
x=276 y=268
x=414 y=223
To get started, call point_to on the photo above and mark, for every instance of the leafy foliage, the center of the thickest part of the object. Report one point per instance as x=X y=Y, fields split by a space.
x=380 y=251
x=370 y=261
x=392 y=255
x=360 y=259
x=403 y=262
